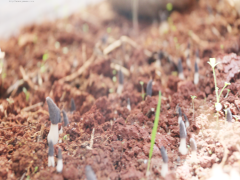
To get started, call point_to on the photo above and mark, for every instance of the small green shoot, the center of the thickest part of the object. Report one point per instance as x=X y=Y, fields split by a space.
x=65 y=137
x=169 y=6
x=143 y=94
x=154 y=131
x=35 y=169
x=27 y=94
x=10 y=100
x=193 y=97
x=228 y=90
x=111 y=90
x=114 y=79
x=45 y=57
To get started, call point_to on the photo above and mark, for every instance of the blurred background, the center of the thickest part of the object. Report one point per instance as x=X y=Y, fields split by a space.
x=14 y=14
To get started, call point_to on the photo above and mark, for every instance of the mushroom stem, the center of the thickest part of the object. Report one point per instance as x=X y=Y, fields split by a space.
x=182 y=148
x=53 y=134
x=194 y=157
x=196 y=78
x=164 y=170
x=59 y=165
x=120 y=89
x=51 y=161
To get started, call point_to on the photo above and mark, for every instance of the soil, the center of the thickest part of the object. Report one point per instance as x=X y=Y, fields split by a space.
x=79 y=66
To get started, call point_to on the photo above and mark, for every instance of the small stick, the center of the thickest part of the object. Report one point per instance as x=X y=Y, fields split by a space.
x=29 y=108
x=123 y=69
x=79 y=71
x=26 y=78
x=91 y=140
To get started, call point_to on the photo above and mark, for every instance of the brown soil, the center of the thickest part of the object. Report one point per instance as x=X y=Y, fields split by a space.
x=81 y=69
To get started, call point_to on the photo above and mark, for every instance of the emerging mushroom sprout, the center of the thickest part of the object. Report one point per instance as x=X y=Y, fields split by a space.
x=180 y=69
x=55 y=118
x=51 y=161
x=186 y=121
x=149 y=88
x=183 y=134
x=177 y=109
x=65 y=118
x=196 y=74
x=229 y=115
x=179 y=115
x=120 y=80
x=73 y=106
x=59 y=162
x=90 y=175
x=197 y=56
x=164 y=170
x=193 y=146
x=188 y=61
x=128 y=104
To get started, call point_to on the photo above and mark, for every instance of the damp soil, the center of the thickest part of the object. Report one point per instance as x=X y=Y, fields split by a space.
x=103 y=132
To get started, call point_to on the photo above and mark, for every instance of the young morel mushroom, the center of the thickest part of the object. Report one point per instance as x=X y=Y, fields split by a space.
x=180 y=69
x=186 y=121
x=59 y=162
x=73 y=106
x=188 y=61
x=51 y=161
x=197 y=56
x=149 y=88
x=65 y=118
x=229 y=115
x=55 y=118
x=183 y=135
x=164 y=170
x=193 y=146
x=196 y=74
x=90 y=175
x=128 y=104
x=120 y=80
x=179 y=115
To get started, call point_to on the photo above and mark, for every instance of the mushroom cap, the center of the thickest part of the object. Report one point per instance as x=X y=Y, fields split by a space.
x=54 y=111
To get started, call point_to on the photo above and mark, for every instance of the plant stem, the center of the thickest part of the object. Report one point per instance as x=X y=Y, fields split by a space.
x=222 y=91
x=193 y=108
x=215 y=81
x=154 y=131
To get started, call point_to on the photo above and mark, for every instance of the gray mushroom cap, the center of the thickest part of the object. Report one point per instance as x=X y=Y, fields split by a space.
x=54 y=111
x=229 y=115
x=183 y=132
x=73 y=106
x=180 y=68
x=90 y=175
x=164 y=154
x=149 y=88
x=65 y=118
x=120 y=77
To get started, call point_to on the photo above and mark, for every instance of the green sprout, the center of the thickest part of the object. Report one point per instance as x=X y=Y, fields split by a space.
x=114 y=72
x=193 y=97
x=143 y=94
x=27 y=94
x=85 y=28
x=35 y=169
x=66 y=137
x=169 y=6
x=228 y=90
x=213 y=64
x=109 y=30
x=10 y=101
x=57 y=45
x=154 y=130
x=114 y=79
x=45 y=57
x=111 y=90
